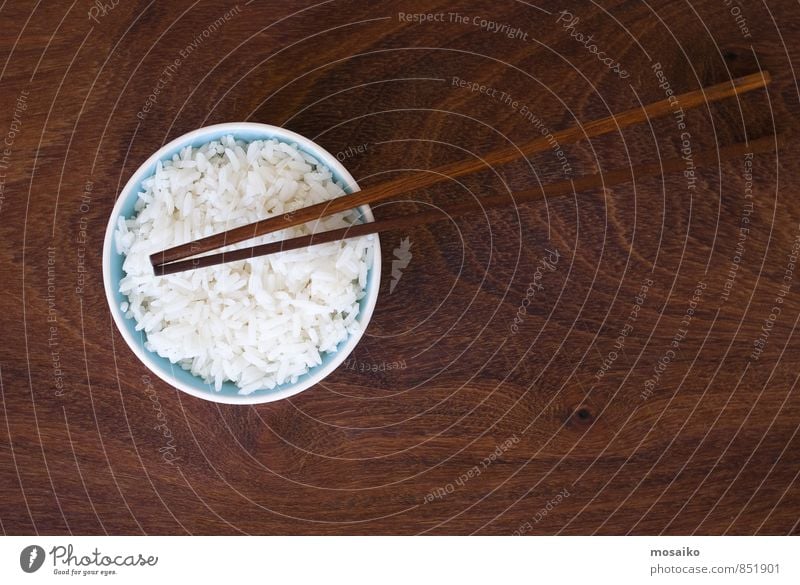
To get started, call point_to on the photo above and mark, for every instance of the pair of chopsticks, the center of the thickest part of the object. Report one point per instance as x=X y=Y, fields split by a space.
x=187 y=256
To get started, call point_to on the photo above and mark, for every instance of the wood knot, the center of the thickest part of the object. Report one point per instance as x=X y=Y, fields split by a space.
x=730 y=55
x=581 y=416
x=738 y=61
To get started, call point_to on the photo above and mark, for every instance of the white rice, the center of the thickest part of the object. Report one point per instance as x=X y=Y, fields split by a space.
x=257 y=323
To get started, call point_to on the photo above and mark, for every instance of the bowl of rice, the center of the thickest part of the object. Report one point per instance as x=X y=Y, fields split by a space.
x=243 y=332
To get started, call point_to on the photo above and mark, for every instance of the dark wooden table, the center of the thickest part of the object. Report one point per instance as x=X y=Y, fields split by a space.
x=621 y=361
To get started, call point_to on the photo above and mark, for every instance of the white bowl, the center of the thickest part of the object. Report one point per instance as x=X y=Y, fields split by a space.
x=112 y=269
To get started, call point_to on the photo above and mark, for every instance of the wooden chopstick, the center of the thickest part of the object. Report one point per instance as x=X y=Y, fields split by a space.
x=584 y=183
x=420 y=180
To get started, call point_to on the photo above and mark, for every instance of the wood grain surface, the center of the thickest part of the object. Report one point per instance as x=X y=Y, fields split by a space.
x=621 y=361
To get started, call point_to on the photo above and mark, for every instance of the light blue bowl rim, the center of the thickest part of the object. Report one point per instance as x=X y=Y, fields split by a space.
x=112 y=268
